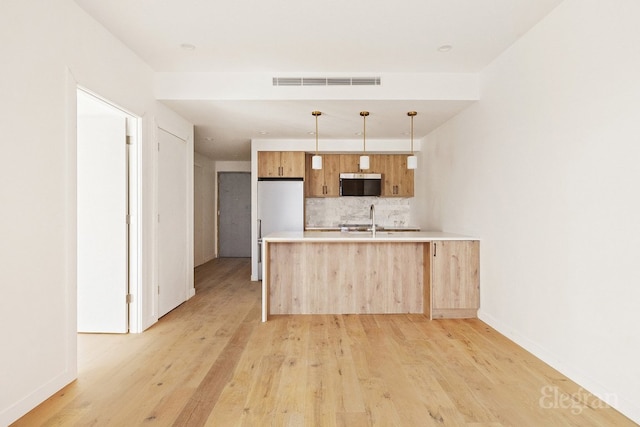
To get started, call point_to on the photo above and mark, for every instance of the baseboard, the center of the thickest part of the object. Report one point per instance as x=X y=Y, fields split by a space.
x=626 y=407
x=15 y=411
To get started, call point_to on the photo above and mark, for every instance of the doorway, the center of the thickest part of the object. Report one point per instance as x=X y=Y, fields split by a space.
x=234 y=214
x=107 y=139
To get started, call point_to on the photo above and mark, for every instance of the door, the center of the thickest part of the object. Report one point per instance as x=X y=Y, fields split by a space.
x=234 y=218
x=102 y=224
x=172 y=222
x=198 y=216
x=455 y=278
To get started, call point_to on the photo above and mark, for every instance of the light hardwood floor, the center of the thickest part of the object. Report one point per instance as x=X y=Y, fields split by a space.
x=211 y=362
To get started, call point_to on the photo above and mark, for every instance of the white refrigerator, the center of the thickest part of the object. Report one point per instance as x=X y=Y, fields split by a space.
x=280 y=208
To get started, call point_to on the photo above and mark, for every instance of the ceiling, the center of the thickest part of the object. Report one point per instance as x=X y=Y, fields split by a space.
x=297 y=38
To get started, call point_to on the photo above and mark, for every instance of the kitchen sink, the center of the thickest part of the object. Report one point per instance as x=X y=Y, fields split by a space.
x=358 y=227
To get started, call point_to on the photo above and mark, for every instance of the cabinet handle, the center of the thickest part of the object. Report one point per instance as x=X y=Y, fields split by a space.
x=435 y=249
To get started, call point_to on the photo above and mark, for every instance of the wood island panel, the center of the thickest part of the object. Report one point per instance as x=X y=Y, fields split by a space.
x=341 y=278
x=455 y=279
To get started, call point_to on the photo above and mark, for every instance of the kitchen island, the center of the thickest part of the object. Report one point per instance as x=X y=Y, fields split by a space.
x=315 y=272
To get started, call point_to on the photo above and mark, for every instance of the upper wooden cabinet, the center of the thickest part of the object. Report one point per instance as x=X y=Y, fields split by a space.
x=323 y=182
x=283 y=164
x=350 y=163
x=455 y=278
x=397 y=179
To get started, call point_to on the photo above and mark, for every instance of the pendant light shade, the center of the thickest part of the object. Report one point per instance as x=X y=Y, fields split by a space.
x=412 y=160
x=364 y=162
x=364 y=159
x=316 y=160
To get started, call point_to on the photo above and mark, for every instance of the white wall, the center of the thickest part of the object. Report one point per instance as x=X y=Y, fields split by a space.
x=49 y=48
x=544 y=169
x=205 y=198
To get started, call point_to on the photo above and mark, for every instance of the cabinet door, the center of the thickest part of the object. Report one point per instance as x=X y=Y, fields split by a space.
x=350 y=163
x=386 y=162
x=314 y=184
x=377 y=163
x=284 y=164
x=455 y=279
x=323 y=182
x=331 y=169
x=397 y=179
x=403 y=177
x=268 y=164
x=292 y=164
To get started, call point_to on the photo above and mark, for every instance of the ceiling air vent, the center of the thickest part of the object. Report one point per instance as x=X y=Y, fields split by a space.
x=326 y=81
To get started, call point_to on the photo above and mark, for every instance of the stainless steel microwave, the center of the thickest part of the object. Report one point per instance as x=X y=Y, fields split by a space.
x=360 y=184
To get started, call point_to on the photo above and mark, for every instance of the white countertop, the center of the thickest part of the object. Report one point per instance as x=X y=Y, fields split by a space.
x=364 y=236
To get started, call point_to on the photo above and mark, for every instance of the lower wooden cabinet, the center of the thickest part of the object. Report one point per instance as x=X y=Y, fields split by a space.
x=439 y=279
x=455 y=278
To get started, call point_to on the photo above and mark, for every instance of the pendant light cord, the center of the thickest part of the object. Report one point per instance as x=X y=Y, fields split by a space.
x=316 y=114
x=364 y=115
x=412 y=114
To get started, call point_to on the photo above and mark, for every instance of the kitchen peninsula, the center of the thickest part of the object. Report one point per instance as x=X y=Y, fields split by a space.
x=315 y=272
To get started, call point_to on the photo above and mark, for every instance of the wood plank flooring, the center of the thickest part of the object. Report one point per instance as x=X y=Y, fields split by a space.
x=210 y=362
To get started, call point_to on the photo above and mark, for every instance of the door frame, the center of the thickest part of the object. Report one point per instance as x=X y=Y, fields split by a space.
x=134 y=255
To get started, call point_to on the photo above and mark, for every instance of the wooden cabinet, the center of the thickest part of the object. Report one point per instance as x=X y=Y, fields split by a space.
x=350 y=163
x=323 y=182
x=455 y=278
x=283 y=164
x=397 y=180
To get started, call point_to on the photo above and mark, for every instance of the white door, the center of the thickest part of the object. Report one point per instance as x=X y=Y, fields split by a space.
x=172 y=222
x=102 y=225
x=198 y=215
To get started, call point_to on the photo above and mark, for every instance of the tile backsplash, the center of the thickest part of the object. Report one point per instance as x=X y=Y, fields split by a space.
x=331 y=211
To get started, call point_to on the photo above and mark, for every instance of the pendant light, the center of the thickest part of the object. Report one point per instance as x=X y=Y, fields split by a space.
x=412 y=160
x=316 y=161
x=364 y=159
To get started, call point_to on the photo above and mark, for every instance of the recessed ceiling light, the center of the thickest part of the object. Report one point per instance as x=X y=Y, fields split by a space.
x=187 y=46
x=358 y=134
x=311 y=133
x=445 y=48
x=264 y=132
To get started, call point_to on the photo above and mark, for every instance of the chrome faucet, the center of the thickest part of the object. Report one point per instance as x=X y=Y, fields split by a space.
x=372 y=217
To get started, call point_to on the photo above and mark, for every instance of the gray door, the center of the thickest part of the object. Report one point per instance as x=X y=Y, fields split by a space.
x=234 y=214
